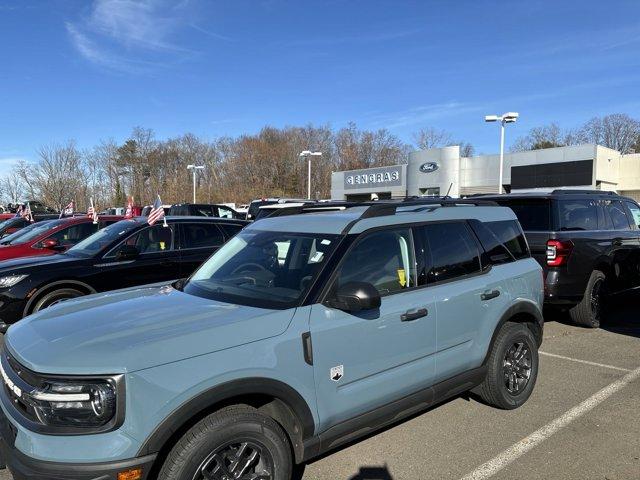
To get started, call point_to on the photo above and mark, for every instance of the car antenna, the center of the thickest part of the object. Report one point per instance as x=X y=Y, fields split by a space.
x=449 y=190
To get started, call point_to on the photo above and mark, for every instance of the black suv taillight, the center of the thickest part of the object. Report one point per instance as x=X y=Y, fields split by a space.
x=558 y=252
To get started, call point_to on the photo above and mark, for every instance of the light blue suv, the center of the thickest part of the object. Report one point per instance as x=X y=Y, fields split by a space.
x=300 y=334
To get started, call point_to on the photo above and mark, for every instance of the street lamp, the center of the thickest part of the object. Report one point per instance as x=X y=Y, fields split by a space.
x=509 y=117
x=194 y=168
x=308 y=154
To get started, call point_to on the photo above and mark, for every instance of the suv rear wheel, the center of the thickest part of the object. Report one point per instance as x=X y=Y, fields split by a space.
x=512 y=368
x=588 y=312
x=235 y=443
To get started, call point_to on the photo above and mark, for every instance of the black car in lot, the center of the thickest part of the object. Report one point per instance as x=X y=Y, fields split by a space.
x=125 y=254
x=588 y=243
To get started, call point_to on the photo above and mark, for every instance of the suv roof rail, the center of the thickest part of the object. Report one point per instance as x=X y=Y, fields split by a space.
x=564 y=191
x=377 y=208
x=383 y=208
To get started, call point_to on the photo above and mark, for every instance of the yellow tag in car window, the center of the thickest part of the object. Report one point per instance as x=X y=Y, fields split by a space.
x=161 y=245
x=402 y=277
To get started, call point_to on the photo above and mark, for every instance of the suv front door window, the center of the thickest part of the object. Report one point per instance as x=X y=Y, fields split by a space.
x=385 y=259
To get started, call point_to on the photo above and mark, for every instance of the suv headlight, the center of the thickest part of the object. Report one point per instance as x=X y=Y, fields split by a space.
x=75 y=404
x=11 y=280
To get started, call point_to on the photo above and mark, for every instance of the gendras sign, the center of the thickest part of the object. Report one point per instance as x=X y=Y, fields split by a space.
x=374 y=177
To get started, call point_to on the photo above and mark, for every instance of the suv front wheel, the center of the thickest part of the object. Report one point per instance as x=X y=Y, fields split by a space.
x=588 y=312
x=235 y=443
x=512 y=368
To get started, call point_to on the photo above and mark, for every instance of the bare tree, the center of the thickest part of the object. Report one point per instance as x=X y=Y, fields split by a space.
x=58 y=177
x=430 y=137
x=618 y=131
x=13 y=187
x=547 y=136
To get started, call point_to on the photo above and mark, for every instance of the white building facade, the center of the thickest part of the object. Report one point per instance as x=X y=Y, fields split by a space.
x=442 y=171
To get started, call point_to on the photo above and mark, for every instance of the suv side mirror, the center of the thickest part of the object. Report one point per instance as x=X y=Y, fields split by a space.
x=356 y=296
x=127 y=252
x=52 y=244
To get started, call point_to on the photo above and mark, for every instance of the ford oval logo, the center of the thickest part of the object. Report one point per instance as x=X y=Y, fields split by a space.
x=428 y=167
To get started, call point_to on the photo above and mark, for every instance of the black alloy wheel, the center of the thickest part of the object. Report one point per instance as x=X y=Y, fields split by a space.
x=237 y=461
x=517 y=368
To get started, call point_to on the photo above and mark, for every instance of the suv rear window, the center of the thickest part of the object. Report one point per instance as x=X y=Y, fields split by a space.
x=534 y=214
x=454 y=252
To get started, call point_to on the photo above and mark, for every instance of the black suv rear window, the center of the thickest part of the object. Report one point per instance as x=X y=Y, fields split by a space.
x=534 y=214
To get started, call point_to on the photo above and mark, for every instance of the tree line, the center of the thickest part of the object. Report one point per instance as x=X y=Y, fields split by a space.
x=238 y=169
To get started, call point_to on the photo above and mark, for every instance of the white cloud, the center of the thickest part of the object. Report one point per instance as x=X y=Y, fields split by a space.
x=131 y=36
x=135 y=24
x=425 y=113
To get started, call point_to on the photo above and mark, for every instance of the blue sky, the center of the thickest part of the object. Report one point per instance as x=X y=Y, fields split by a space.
x=91 y=70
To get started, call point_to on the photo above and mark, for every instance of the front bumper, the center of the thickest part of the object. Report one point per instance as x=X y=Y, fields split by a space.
x=23 y=467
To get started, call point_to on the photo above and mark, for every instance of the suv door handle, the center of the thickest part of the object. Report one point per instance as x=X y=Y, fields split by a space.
x=411 y=316
x=616 y=242
x=490 y=295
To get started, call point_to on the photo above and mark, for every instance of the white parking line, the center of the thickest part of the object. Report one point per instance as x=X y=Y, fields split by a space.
x=514 y=452
x=586 y=362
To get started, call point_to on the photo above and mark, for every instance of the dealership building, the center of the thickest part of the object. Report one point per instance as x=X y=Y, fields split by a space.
x=440 y=171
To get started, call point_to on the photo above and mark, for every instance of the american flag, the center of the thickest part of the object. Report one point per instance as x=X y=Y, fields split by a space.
x=91 y=212
x=129 y=212
x=67 y=211
x=156 y=213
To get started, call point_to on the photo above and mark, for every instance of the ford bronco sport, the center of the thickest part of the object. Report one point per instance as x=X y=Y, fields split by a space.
x=300 y=334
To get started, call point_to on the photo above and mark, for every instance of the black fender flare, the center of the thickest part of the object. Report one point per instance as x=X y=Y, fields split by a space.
x=224 y=392
x=527 y=307
x=42 y=288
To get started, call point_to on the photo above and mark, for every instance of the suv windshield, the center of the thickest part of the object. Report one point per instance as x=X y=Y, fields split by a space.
x=30 y=232
x=102 y=238
x=263 y=269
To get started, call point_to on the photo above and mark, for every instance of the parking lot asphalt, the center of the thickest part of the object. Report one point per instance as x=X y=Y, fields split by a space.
x=582 y=421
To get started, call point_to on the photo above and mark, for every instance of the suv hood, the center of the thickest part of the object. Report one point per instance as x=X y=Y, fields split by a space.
x=134 y=329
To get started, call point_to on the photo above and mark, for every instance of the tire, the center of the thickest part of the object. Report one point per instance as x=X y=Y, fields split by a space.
x=588 y=312
x=496 y=389
x=56 y=296
x=230 y=436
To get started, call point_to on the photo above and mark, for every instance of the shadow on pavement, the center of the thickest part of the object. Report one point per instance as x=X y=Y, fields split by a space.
x=621 y=314
x=373 y=473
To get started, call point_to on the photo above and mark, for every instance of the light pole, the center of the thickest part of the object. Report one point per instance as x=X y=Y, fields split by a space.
x=509 y=117
x=308 y=154
x=194 y=168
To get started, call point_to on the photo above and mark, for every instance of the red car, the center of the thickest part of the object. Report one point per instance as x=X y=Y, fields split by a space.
x=51 y=236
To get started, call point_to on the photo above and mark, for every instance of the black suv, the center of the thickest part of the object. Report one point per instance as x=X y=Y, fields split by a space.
x=587 y=241
x=125 y=254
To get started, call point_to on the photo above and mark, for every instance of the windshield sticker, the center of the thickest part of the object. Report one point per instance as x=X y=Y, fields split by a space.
x=317 y=257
